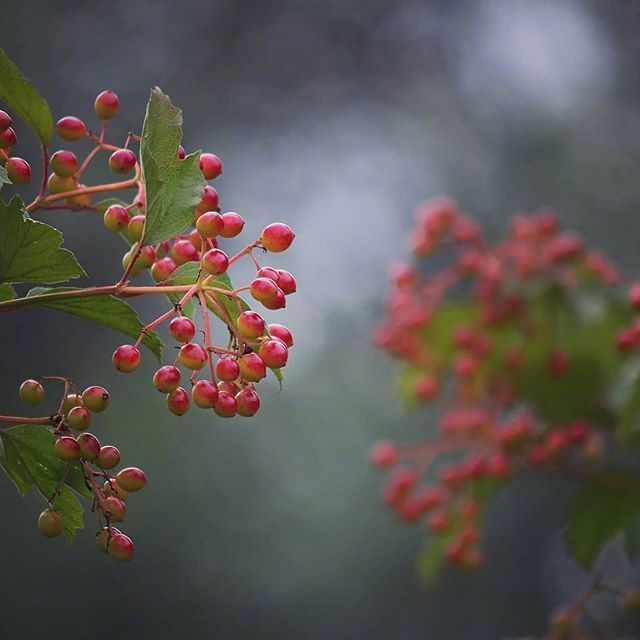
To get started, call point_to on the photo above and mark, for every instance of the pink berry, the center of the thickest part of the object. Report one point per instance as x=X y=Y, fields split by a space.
x=120 y=547
x=193 y=356
x=247 y=402
x=227 y=369
x=167 y=378
x=8 y=138
x=210 y=165
x=281 y=332
x=89 y=446
x=131 y=479
x=384 y=454
x=18 y=170
x=183 y=251
x=264 y=289
x=106 y=105
x=210 y=200
x=204 y=394
x=79 y=418
x=268 y=272
x=5 y=121
x=115 y=509
x=252 y=367
x=162 y=269
x=64 y=163
x=67 y=448
x=215 y=262
x=210 y=224
x=182 y=329
x=278 y=301
x=126 y=358
x=109 y=457
x=274 y=354
x=178 y=401
x=250 y=324
x=233 y=224
x=277 y=237
x=116 y=218
x=226 y=407
x=71 y=128
x=122 y=161
x=286 y=282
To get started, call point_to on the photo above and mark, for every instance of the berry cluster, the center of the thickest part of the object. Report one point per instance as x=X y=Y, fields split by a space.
x=18 y=170
x=481 y=333
x=75 y=446
x=251 y=345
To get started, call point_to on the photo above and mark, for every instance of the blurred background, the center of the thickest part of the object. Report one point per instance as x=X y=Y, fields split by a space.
x=337 y=117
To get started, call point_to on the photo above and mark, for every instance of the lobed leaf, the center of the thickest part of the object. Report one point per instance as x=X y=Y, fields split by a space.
x=4 y=178
x=30 y=250
x=24 y=100
x=105 y=310
x=173 y=187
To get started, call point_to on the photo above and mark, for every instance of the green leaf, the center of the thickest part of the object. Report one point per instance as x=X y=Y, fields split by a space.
x=30 y=250
x=597 y=514
x=104 y=310
x=431 y=558
x=29 y=460
x=173 y=187
x=4 y=178
x=625 y=398
x=6 y=292
x=24 y=100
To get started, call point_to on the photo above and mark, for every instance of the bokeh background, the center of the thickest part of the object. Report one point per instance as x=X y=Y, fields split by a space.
x=337 y=117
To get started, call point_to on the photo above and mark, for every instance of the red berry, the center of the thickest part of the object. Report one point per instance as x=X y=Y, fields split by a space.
x=5 y=121
x=106 y=105
x=634 y=296
x=89 y=446
x=268 y=272
x=274 y=354
x=215 y=262
x=131 y=479
x=233 y=224
x=210 y=224
x=205 y=394
x=277 y=237
x=95 y=398
x=167 y=378
x=210 y=165
x=264 y=289
x=247 y=402
x=183 y=251
x=162 y=269
x=210 y=201
x=67 y=448
x=18 y=170
x=71 y=128
x=178 y=401
x=286 y=282
x=227 y=369
x=64 y=163
x=126 y=358
x=277 y=302
x=116 y=218
x=8 y=138
x=182 y=329
x=104 y=536
x=50 y=523
x=229 y=387
x=79 y=418
x=136 y=227
x=559 y=362
x=115 y=509
x=122 y=161
x=226 y=407
x=281 y=332
x=439 y=521
x=31 y=392
x=252 y=367
x=384 y=454
x=427 y=387
x=120 y=547
x=193 y=356
x=109 y=457
x=250 y=324
x=181 y=153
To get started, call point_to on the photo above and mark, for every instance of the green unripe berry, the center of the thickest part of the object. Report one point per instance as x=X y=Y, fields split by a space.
x=95 y=398
x=50 y=523
x=79 y=418
x=31 y=392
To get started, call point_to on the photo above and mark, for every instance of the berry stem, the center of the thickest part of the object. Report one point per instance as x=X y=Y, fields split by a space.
x=45 y=171
x=207 y=333
x=22 y=420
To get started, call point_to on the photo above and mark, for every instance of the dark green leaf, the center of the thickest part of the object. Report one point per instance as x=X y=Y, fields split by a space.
x=30 y=250
x=173 y=187
x=24 y=100
x=29 y=460
x=597 y=514
x=6 y=292
x=104 y=310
